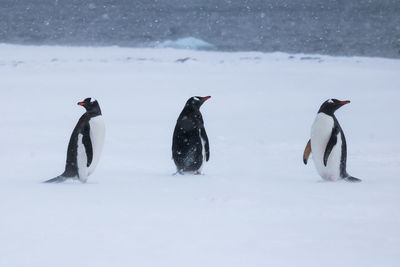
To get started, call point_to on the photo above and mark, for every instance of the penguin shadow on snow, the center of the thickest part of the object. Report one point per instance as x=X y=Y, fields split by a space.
x=328 y=144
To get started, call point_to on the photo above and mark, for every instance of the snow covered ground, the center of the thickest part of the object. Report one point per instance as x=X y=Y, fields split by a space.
x=256 y=205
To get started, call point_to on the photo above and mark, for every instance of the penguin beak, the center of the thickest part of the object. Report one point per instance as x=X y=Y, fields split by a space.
x=345 y=102
x=206 y=98
x=81 y=103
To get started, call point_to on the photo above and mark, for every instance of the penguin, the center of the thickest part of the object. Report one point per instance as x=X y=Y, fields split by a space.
x=85 y=145
x=328 y=144
x=190 y=144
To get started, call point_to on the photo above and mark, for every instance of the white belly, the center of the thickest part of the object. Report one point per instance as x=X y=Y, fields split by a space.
x=81 y=160
x=97 y=134
x=320 y=134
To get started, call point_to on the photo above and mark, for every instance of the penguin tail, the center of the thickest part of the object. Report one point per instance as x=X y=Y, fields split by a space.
x=58 y=179
x=352 y=179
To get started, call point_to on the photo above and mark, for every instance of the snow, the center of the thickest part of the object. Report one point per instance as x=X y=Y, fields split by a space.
x=257 y=204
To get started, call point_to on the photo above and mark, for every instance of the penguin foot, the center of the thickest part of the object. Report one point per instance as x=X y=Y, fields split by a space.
x=352 y=179
x=181 y=172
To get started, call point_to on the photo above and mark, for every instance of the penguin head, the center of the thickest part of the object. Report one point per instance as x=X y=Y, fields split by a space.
x=331 y=105
x=197 y=101
x=91 y=105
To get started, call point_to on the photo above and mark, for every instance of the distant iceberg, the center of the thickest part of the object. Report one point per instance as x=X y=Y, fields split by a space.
x=185 y=43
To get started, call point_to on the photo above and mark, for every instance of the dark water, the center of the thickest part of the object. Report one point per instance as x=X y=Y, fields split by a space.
x=340 y=27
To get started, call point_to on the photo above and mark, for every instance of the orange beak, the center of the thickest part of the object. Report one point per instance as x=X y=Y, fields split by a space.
x=206 y=98
x=345 y=102
x=81 y=103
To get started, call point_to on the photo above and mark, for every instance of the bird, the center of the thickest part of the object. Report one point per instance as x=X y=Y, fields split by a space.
x=85 y=145
x=190 y=145
x=328 y=144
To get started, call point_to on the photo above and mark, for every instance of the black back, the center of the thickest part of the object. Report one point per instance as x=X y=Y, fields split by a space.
x=343 y=158
x=189 y=133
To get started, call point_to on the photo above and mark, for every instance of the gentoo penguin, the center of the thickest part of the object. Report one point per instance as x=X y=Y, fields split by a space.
x=190 y=139
x=85 y=144
x=328 y=144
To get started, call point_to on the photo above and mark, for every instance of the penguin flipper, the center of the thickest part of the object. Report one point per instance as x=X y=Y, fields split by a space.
x=332 y=142
x=307 y=152
x=352 y=179
x=58 y=179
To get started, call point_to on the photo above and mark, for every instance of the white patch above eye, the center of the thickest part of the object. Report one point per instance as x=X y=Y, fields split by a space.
x=92 y=100
x=330 y=101
x=196 y=98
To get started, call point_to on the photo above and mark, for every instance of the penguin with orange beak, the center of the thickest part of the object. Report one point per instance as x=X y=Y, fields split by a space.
x=85 y=145
x=190 y=146
x=328 y=144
